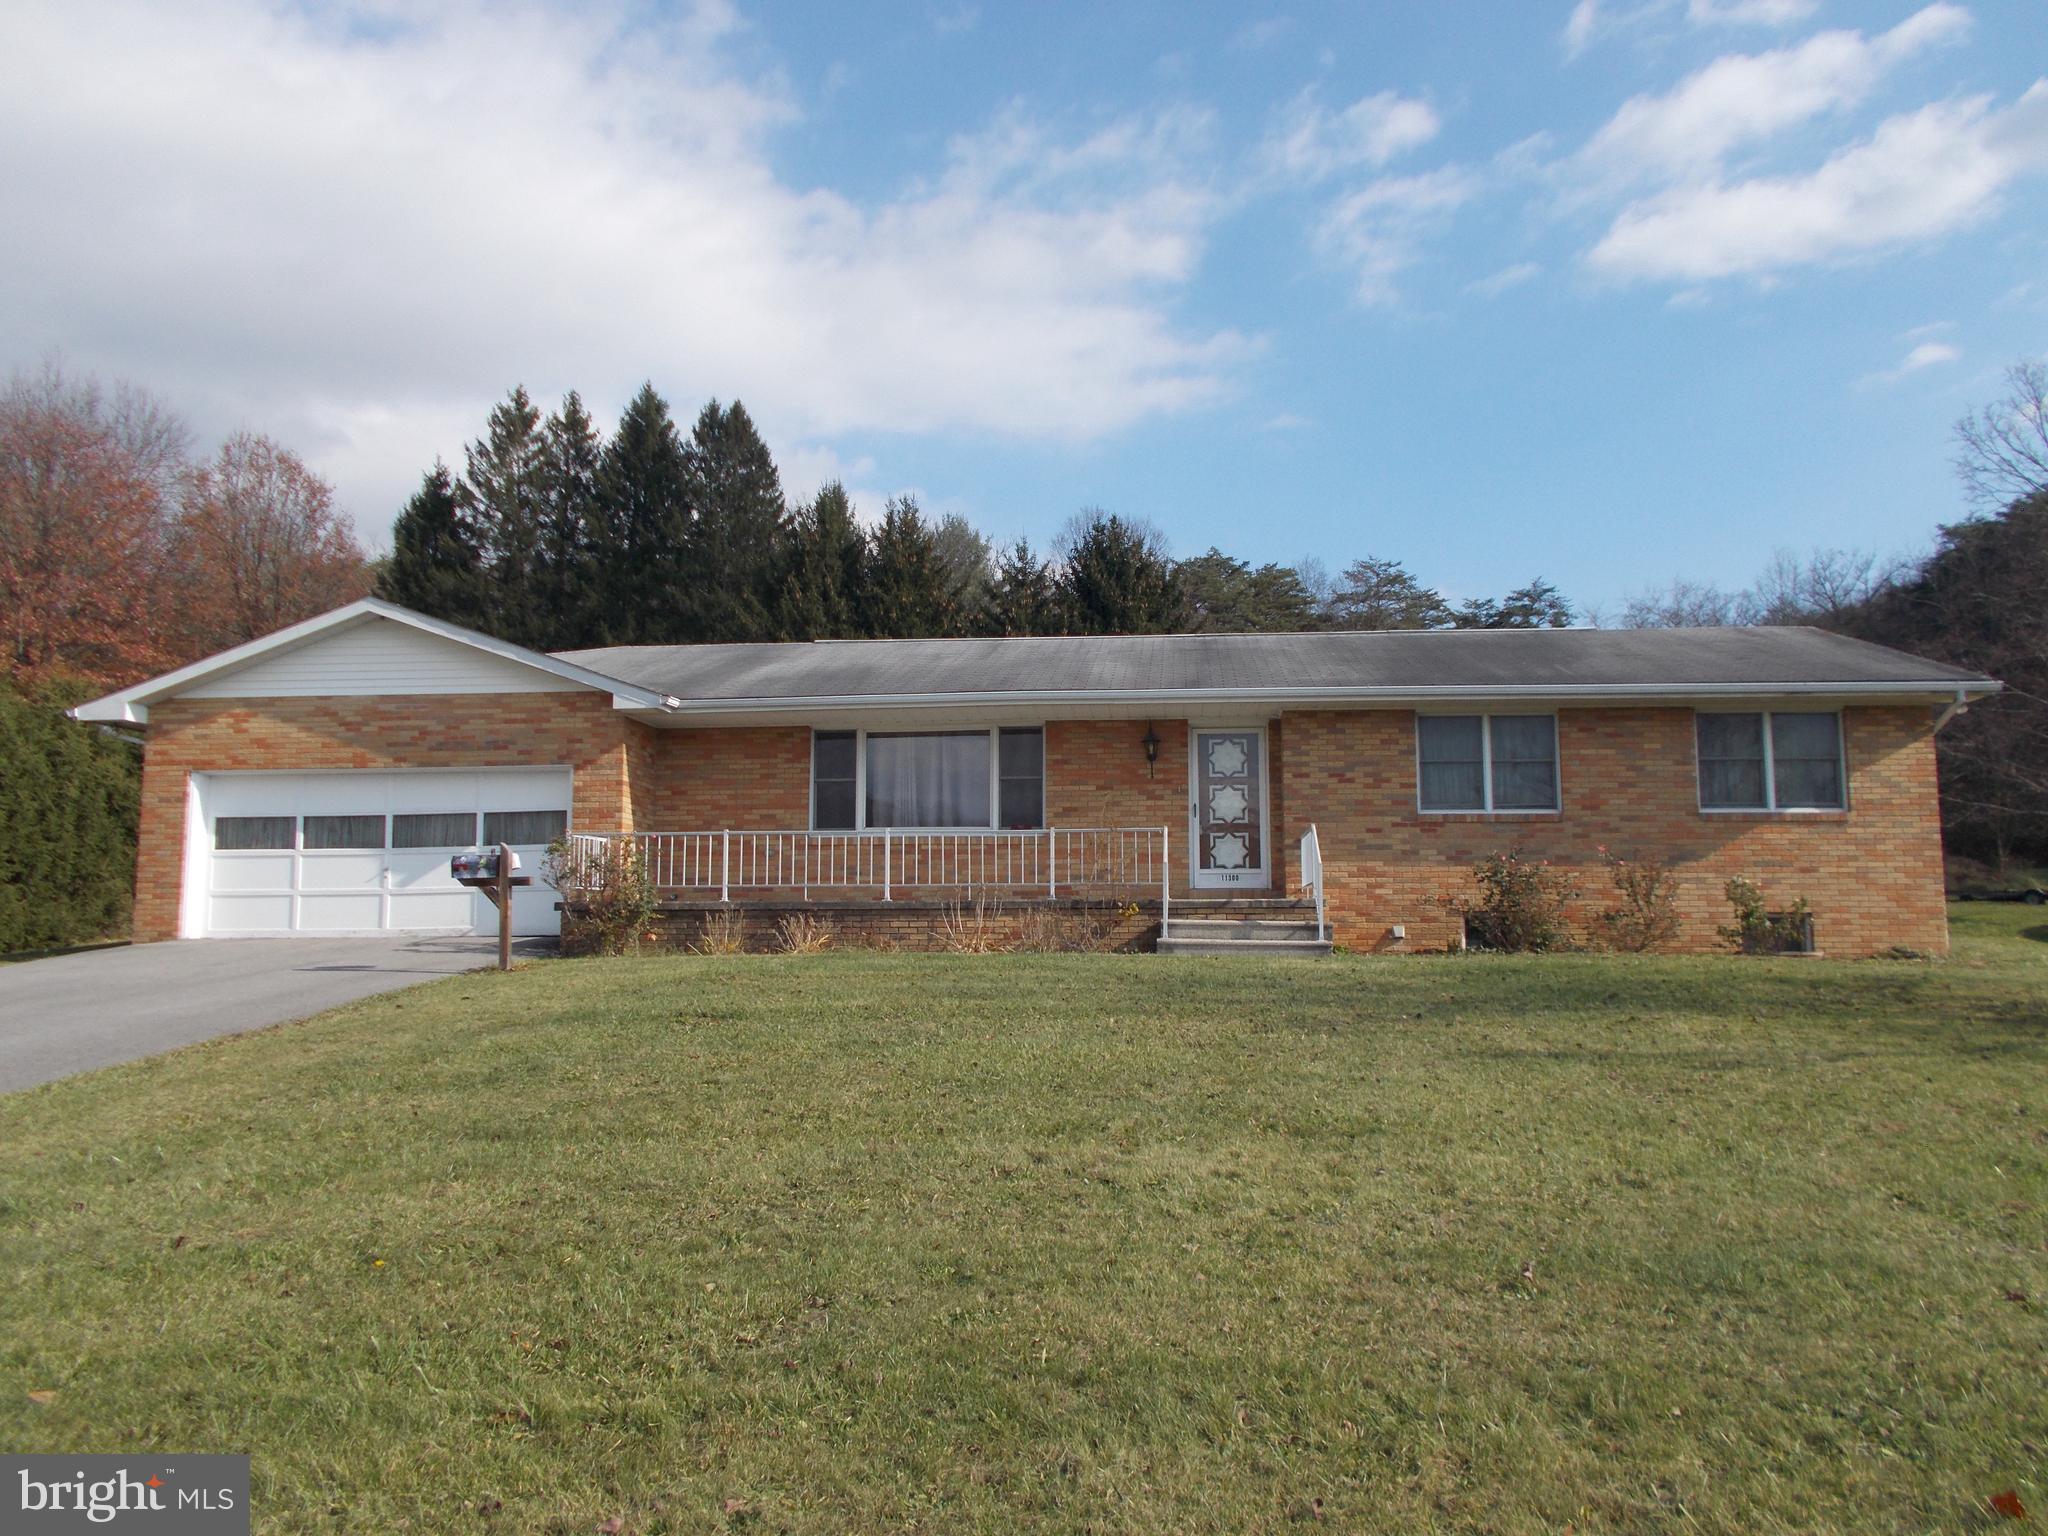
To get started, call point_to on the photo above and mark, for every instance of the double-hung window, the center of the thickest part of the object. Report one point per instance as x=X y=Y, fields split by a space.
x=1486 y=762
x=983 y=779
x=1771 y=760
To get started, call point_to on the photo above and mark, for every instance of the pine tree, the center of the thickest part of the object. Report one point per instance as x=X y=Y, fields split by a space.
x=1023 y=599
x=1117 y=579
x=819 y=581
x=1539 y=605
x=566 y=582
x=434 y=566
x=642 y=519
x=1226 y=595
x=964 y=551
x=501 y=493
x=904 y=587
x=1379 y=594
x=739 y=519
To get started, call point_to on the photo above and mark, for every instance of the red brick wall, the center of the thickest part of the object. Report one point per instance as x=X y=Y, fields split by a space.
x=1873 y=873
x=752 y=778
x=505 y=730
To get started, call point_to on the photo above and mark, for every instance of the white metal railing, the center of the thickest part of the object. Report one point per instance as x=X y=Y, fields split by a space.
x=1049 y=861
x=1312 y=874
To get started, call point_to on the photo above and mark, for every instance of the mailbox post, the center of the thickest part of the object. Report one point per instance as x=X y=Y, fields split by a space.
x=493 y=874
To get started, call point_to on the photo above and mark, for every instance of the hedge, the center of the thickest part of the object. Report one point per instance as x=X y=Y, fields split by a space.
x=68 y=800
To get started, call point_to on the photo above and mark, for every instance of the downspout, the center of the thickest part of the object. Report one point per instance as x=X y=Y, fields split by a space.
x=1959 y=705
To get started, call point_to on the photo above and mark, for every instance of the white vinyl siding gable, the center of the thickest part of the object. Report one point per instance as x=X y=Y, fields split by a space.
x=378 y=658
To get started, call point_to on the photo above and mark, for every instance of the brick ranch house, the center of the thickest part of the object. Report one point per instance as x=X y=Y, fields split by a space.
x=317 y=780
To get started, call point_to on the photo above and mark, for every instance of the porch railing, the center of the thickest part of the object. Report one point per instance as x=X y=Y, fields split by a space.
x=1312 y=875
x=1050 y=862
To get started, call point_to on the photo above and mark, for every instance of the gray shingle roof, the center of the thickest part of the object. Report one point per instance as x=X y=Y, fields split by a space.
x=1420 y=662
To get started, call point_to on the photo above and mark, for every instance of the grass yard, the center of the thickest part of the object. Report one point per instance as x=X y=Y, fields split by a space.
x=857 y=1242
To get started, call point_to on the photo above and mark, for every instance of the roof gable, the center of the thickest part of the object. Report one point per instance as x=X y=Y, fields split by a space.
x=367 y=647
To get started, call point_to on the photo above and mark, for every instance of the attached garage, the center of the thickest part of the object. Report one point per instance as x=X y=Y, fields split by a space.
x=355 y=853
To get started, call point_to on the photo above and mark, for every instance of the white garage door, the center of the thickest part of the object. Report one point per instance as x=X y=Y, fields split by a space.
x=368 y=852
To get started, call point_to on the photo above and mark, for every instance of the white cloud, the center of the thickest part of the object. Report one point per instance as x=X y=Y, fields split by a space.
x=363 y=227
x=1761 y=13
x=1928 y=354
x=1498 y=283
x=1377 y=232
x=1580 y=26
x=1311 y=143
x=1742 y=99
x=1920 y=176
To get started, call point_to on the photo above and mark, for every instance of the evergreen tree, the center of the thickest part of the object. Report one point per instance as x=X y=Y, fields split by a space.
x=434 y=566
x=642 y=517
x=1379 y=594
x=964 y=552
x=1023 y=597
x=820 y=580
x=566 y=581
x=1117 y=580
x=501 y=493
x=904 y=591
x=1539 y=605
x=737 y=525
x=1226 y=595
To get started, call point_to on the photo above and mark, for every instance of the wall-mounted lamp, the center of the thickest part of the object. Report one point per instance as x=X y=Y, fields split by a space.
x=1151 y=745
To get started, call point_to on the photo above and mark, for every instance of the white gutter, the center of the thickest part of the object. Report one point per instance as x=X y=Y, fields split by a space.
x=1606 y=692
x=1960 y=704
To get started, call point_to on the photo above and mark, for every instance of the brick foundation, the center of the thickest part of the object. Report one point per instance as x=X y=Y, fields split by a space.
x=905 y=925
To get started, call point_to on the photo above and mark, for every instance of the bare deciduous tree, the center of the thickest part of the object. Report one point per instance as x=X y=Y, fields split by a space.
x=2002 y=448
x=84 y=518
x=261 y=545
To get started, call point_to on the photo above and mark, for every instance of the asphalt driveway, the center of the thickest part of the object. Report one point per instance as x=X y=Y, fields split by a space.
x=71 y=1013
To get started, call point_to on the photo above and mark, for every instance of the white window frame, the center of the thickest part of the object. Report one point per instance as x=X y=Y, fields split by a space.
x=860 y=777
x=1770 y=807
x=1486 y=763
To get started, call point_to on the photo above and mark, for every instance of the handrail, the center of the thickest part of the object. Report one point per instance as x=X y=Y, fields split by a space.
x=1312 y=875
x=1045 y=861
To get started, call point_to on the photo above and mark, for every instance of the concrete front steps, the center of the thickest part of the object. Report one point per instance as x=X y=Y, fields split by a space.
x=1244 y=926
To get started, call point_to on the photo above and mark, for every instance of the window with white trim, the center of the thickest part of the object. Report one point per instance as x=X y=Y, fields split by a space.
x=1771 y=760
x=982 y=779
x=1486 y=762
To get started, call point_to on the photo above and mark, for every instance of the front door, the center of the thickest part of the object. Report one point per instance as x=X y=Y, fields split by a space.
x=1227 y=820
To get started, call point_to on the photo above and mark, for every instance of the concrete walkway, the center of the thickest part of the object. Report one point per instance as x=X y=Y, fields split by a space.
x=72 y=1013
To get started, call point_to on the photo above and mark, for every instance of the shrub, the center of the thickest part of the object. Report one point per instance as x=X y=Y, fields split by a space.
x=606 y=879
x=1758 y=931
x=69 y=794
x=799 y=933
x=971 y=925
x=1647 y=915
x=725 y=933
x=1080 y=928
x=1520 y=905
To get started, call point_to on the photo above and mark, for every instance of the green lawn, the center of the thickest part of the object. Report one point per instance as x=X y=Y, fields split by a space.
x=860 y=1242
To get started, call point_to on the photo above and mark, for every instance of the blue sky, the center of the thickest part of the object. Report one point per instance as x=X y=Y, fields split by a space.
x=1604 y=291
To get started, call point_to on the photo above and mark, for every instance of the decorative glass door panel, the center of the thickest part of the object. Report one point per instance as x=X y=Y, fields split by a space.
x=1228 y=832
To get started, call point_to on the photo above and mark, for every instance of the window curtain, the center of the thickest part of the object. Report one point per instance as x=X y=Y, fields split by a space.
x=928 y=781
x=1524 y=763
x=1731 y=761
x=1806 y=761
x=1453 y=765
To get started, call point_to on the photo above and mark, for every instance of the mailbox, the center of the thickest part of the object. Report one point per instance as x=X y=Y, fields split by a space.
x=478 y=866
